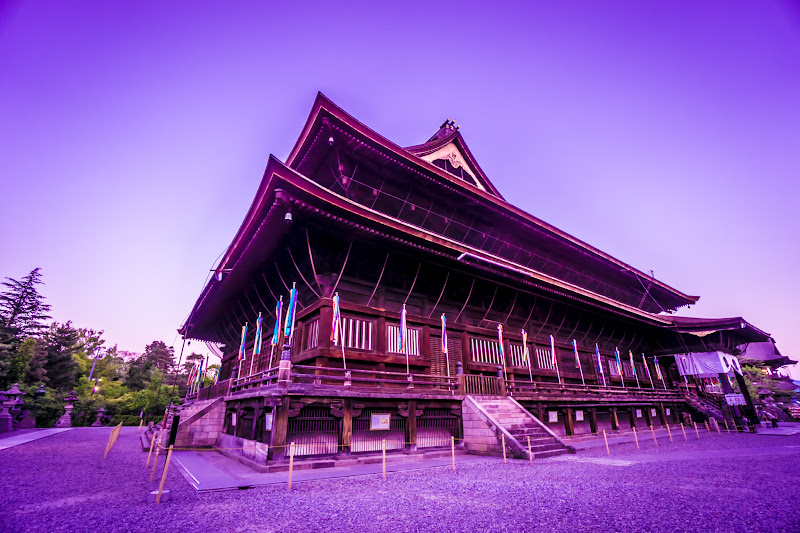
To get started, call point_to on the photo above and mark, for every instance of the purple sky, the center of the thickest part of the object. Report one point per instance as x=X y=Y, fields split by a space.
x=133 y=135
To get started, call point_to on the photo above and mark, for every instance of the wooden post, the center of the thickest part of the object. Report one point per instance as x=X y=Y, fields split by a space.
x=717 y=424
x=695 y=429
x=530 y=454
x=569 y=426
x=412 y=424
x=164 y=475
x=728 y=429
x=503 y=439
x=453 y=450
x=280 y=425
x=152 y=442
x=614 y=419
x=383 y=456
x=708 y=428
x=141 y=421
x=606 y=441
x=669 y=432
x=684 y=432
x=291 y=464
x=593 y=420
x=155 y=459
x=347 y=425
x=108 y=444
x=635 y=437
x=653 y=429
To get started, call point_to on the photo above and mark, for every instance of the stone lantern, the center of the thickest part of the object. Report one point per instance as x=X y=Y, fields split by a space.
x=6 y=421
x=101 y=413
x=66 y=421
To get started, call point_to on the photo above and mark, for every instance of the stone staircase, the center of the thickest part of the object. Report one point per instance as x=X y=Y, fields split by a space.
x=505 y=417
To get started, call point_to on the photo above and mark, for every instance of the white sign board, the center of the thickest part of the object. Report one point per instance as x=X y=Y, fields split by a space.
x=552 y=416
x=268 y=422
x=638 y=413
x=652 y=412
x=735 y=399
x=579 y=416
x=668 y=411
x=380 y=421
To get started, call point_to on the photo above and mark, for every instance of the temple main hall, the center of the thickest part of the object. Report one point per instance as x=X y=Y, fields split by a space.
x=378 y=296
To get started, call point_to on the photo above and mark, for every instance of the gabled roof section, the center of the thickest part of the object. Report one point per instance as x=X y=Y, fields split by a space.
x=328 y=126
x=447 y=149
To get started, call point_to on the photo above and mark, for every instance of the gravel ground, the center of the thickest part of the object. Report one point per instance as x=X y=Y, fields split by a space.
x=61 y=483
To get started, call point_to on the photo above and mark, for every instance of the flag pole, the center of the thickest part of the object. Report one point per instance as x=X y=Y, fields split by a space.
x=527 y=353
x=600 y=363
x=649 y=375
x=578 y=361
x=257 y=345
x=403 y=339
x=633 y=367
x=619 y=367
x=553 y=357
x=444 y=344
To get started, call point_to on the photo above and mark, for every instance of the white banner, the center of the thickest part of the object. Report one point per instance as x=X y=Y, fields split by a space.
x=707 y=364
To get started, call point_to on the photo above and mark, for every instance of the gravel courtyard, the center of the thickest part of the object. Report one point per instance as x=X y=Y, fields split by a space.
x=61 y=483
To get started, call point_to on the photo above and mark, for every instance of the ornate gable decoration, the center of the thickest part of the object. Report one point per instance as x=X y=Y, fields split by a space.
x=450 y=153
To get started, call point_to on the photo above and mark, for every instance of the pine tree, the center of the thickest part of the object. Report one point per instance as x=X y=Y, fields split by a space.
x=61 y=342
x=161 y=356
x=22 y=309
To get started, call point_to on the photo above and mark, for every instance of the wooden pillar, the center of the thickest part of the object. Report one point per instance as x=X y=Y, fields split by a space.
x=614 y=419
x=380 y=335
x=662 y=415
x=319 y=361
x=347 y=425
x=425 y=346
x=593 y=419
x=647 y=417
x=568 y=422
x=256 y=418
x=411 y=425
x=280 y=425
x=540 y=411
x=466 y=355
x=632 y=416
x=325 y=323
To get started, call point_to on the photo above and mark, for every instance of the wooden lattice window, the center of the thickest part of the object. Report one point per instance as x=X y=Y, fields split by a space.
x=312 y=335
x=544 y=360
x=393 y=339
x=438 y=359
x=517 y=352
x=486 y=351
x=356 y=333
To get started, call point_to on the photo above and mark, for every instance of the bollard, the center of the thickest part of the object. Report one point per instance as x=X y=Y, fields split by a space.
x=155 y=461
x=653 y=430
x=707 y=428
x=684 y=432
x=716 y=424
x=141 y=421
x=291 y=464
x=164 y=475
x=503 y=436
x=728 y=429
x=605 y=439
x=383 y=457
x=669 y=432
x=453 y=451
x=530 y=454
x=152 y=442
x=636 y=438
x=695 y=429
x=108 y=445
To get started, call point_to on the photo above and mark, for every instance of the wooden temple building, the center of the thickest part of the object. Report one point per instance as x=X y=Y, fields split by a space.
x=423 y=229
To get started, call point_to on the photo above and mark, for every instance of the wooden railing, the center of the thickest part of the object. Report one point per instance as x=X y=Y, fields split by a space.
x=538 y=388
x=259 y=379
x=218 y=390
x=373 y=379
x=483 y=385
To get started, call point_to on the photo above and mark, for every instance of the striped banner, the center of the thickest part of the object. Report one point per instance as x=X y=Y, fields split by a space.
x=289 y=325
x=259 y=335
x=243 y=343
x=335 y=321
x=277 y=331
x=444 y=336
x=401 y=337
x=599 y=359
x=577 y=359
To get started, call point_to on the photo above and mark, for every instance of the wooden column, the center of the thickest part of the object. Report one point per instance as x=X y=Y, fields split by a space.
x=325 y=321
x=380 y=335
x=647 y=416
x=425 y=346
x=347 y=425
x=569 y=426
x=411 y=424
x=319 y=361
x=662 y=415
x=614 y=419
x=632 y=416
x=540 y=411
x=593 y=419
x=280 y=425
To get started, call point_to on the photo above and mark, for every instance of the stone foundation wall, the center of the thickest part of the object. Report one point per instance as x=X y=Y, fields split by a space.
x=249 y=449
x=480 y=436
x=204 y=430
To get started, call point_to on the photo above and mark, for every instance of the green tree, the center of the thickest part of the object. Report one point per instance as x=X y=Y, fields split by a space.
x=159 y=355
x=22 y=315
x=61 y=343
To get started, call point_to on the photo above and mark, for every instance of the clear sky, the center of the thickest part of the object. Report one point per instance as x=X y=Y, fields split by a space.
x=133 y=135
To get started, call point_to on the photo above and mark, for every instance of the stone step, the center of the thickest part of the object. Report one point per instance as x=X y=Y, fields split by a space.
x=550 y=453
